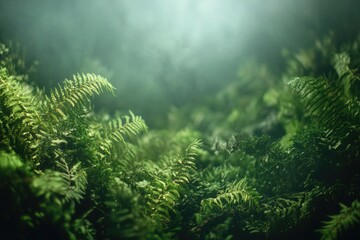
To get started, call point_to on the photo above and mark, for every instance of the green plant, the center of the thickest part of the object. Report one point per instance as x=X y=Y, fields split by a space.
x=347 y=217
x=70 y=159
x=68 y=172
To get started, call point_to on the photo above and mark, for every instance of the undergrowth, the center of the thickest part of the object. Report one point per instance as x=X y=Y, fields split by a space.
x=67 y=172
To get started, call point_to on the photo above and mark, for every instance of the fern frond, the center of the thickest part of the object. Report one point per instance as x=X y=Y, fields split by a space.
x=23 y=122
x=76 y=92
x=133 y=125
x=339 y=223
x=165 y=191
x=118 y=129
x=186 y=165
x=323 y=100
x=162 y=202
x=349 y=78
x=74 y=180
x=124 y=219
x=337 y=113
x=237 y=193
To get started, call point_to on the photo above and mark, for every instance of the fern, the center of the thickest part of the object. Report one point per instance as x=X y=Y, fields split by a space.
x=349 y=78
x=166 y=190
x=237 y=193
x=124 y=218
x=336 y=113
x=348 y=216
x=23 y=120
x=74 y=179
x=76 y=93
x=80 y=89
x=94 y=178
x=165 y=193
x=323 y=99
x=184 y=166
x=117 y=130
x=60 y=135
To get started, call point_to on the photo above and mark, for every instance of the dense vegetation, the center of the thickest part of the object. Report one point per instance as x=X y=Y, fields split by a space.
x=276 y=159
x=244 y=121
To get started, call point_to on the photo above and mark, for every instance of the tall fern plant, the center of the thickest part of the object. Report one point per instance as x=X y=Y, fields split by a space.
x=68 y=148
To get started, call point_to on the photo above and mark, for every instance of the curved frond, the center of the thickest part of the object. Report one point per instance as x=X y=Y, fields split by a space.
x=186 y=165
x=118 y=129
x=77 y=91
x=238 y=192
x=335 y=110
x=323 y=100
x=165 y=192
x=74 y=180
x=339 y=223
x=23 y=122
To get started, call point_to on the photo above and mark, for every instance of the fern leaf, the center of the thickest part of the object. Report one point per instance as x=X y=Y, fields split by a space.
x=165 y=193
x=238 y=192
x=326 y=101
x=348 y=76
x=74 y=179
x=117 y=131
x=124 y=219
x=336 y=112
x=76 y=92
x=339 y=223
x=186 y=165
x=24 y=122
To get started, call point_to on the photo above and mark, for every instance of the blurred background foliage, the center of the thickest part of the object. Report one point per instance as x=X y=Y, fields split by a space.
x=168 y=55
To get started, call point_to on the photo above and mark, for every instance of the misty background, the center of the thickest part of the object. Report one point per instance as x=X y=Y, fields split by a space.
x=160 y=53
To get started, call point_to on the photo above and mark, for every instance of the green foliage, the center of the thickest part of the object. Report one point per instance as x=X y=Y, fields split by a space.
x=20 y=116
x=116 y=130
x=125 y=219
x=87 y=169
x=75 y=94
x=298 y=178
x=55 y=134
x=75 y=174
x=236 y=193
x=74 y=179
x=334 y=110
x=339 y=223
x=165 y=190
x=32 y=205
